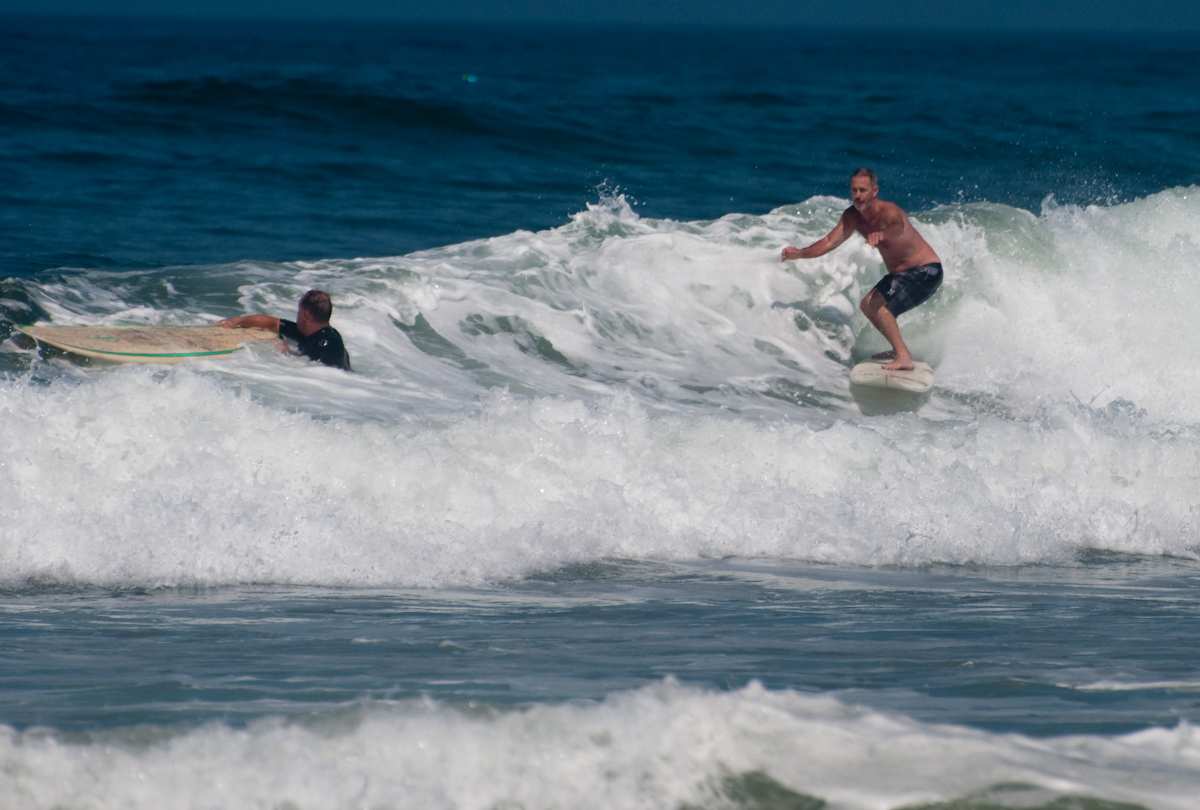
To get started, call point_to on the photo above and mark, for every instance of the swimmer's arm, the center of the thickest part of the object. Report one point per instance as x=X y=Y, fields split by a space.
x=269 y=322
x=840 y=233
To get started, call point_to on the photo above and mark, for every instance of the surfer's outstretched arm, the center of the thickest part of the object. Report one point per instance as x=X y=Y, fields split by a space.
x=840 y=233
x=269 y=322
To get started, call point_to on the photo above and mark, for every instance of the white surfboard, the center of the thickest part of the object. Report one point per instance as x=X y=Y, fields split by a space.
x=145 y=344
x=872 y=374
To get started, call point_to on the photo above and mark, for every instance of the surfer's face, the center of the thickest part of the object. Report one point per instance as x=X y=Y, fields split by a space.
x=862 y=191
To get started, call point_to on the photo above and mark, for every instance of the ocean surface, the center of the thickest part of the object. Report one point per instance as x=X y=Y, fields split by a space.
x=597 y=521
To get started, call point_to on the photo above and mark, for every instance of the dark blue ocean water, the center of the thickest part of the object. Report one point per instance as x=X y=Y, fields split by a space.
x=598 y=522
x=145 y=143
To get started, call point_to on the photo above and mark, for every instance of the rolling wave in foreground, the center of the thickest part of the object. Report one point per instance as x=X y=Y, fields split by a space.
x=662 y=746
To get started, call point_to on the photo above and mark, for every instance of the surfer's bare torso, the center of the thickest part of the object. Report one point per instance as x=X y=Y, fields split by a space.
x=885 y=226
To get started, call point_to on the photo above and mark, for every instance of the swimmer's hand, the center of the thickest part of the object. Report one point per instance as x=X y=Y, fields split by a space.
x=873 y=239
x=231 y=323
x=790 y=253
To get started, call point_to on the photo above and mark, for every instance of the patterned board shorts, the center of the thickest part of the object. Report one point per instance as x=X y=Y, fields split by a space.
x=909 y=288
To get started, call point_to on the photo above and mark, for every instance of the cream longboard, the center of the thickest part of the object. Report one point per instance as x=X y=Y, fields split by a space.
x=145 y=344
x=871 y=374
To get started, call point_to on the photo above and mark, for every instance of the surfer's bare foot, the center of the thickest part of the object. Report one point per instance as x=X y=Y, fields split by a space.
x=902 y=363
x=888 y=355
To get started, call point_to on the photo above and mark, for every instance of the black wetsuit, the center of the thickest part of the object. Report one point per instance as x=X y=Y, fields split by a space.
x=324 y=345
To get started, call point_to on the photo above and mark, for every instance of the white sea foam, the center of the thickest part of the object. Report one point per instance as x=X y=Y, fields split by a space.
x=136 y=478
x=675 y=378
x=663 y=746
x=1073 y=303
x=1087 y=302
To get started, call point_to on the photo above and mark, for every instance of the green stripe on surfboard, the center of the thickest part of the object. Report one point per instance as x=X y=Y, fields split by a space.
x=69 y=347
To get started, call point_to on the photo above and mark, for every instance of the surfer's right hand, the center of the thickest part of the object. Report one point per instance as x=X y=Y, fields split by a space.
x=790 y=253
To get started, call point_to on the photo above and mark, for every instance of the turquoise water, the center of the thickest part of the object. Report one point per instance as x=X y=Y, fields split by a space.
x=597 y=522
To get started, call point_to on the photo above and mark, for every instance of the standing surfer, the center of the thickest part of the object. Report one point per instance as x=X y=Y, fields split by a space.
x=914 y=269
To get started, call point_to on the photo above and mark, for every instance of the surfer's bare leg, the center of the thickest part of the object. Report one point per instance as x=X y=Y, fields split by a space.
x=875 y=308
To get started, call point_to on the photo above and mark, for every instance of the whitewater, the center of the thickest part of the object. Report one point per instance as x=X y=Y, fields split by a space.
x=673 y=376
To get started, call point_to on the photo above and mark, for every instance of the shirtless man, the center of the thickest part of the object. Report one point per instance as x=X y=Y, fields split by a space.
x=914 y=270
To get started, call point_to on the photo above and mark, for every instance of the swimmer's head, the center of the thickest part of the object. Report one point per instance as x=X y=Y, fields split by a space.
x=315 y=308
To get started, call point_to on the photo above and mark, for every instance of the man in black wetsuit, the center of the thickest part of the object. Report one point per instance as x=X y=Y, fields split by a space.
x=311 y=332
